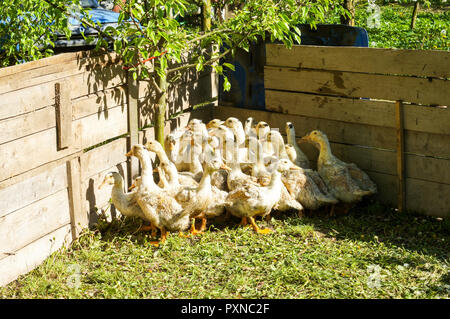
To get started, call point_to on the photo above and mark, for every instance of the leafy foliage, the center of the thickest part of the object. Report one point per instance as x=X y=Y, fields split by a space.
x=28 y=28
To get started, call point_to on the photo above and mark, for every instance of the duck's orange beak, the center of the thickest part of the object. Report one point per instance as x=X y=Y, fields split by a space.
x=129 y=154
x=133 y=186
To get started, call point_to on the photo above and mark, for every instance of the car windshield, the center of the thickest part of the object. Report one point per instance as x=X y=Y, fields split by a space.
x=89 y=3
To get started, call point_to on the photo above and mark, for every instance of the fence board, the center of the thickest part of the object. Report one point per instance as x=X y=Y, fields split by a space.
x=103 y=157
x=32 y=189
x=97 y=128
x=366 y=60
x=29 y=257
x=28 y=224
x=30 y=152
x=380 y=113
x=408 y=89
x=421 y=196
x=27 y=124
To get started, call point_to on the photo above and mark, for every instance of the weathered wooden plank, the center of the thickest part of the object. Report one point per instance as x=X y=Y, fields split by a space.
x=63 y=110
x=53 y=68
x=133 y=123
x=32 y=189
x=31 y=78
x=348 y=84
x=103 y=157
x=428 y=63
x=78 y=218
x=41 y=95
x=98 y=102
x=363 y=111
x=27 y=124
x=30 y=223
x=37 y=65
x=97 y=128
x=26 y=100
x=421 y=196
x=29 y=257
x=400 y=156
x=435 y=145
x=30 y=152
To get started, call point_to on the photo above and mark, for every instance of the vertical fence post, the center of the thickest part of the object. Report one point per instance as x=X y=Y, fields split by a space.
x=63 y=111
x=400 y=156
x=133 y=124
x=79 y=218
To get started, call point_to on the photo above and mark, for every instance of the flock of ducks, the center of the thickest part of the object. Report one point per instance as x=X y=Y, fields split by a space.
x=226 y=167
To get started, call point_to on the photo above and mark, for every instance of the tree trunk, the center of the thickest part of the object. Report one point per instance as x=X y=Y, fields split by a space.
x=414 y=15
x=161 y=110
x=206 y=15
x=348 y=5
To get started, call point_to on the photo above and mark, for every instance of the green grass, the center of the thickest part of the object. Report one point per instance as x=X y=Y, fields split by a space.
x=404 y=255
x=432 y=30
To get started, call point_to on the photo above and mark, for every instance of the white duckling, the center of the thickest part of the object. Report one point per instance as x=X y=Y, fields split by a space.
x=262 y=129
x=249 y=200
x=162 y=210
x=169 y=172
x=238 y=130
x=300 y=158
x=206 y=201
x=125 y=202
x=306 y=186
x=345 y=181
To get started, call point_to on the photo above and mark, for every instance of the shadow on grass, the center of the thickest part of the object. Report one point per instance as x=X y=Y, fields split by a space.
x=373 y=222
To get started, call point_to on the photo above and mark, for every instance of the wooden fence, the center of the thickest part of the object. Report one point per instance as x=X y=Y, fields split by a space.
x=64 y=122
x=382 y=109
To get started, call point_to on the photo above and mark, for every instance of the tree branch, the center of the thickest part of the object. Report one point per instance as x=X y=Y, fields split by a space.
x=226 y=52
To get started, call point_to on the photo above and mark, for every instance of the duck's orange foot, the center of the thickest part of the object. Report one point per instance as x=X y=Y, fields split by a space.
x=146 y=228
x=263 y=231
x=257 y=229
x=154 y=243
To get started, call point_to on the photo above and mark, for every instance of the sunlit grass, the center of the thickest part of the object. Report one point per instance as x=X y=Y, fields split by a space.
x=374 y=252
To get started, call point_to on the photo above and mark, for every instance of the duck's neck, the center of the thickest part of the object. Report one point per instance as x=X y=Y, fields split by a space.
x=281 y=148
x=172 y=171
x=147 y=180
x=239 y=134
x=275 y=182
x=325 y=154
x=205 y=182
x=291 y=139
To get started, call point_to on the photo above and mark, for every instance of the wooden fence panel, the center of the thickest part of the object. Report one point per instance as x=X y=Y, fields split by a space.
x=30 y=190
x=30 y=223
x=348 y=84
x=363 y=111
x=362 y=60
x=29 y=257
x=66 y=123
